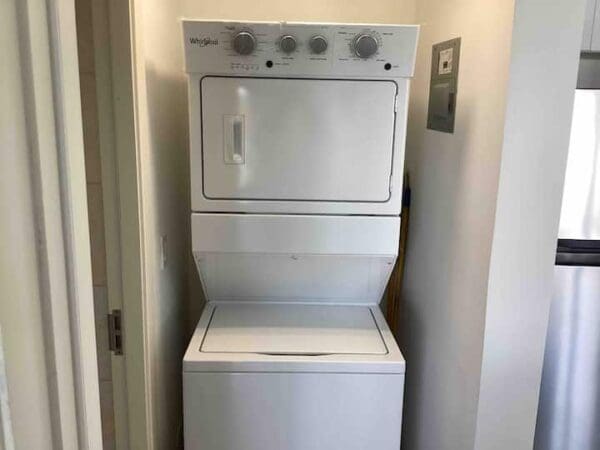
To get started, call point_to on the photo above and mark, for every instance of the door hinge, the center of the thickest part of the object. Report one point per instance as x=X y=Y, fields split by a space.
x=115 y=332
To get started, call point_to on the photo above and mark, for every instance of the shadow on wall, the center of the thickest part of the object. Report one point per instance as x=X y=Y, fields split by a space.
x=171 y=166
x=443 y=308
x=167 y=228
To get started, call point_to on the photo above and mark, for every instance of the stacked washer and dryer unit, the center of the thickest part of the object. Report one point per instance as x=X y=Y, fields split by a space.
x=297 y=147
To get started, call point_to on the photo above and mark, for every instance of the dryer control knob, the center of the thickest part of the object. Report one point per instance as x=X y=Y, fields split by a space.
x=287 y=44
x=317 y=44
x=365 y=46
x=244 y=43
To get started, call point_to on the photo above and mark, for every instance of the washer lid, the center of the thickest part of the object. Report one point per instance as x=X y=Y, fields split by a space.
x=277 y=329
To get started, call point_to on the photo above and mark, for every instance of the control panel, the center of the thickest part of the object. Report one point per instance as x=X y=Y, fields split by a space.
x=302 y=49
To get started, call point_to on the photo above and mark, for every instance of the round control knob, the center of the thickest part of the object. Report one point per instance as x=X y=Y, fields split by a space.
x=244 y=43
x=287 y=44
x=317 y=44
x=365 y=45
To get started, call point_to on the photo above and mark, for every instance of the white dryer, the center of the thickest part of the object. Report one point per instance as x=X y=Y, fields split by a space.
x=297 y=138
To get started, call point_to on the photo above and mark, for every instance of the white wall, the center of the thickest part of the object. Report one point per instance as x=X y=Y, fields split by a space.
x=460 y=289
x=454 y=179
x=543 y=71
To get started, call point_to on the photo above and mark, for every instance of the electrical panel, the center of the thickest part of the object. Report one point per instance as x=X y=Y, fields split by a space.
x=443 y=87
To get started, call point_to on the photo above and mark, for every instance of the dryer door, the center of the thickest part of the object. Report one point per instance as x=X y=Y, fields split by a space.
x=297 y=139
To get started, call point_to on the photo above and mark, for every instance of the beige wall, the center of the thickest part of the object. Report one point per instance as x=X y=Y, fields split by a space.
x=360 y=11
x=161 y=139
x=455 y=181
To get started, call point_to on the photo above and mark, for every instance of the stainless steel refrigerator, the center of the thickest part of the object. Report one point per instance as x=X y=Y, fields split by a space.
x=569 y=408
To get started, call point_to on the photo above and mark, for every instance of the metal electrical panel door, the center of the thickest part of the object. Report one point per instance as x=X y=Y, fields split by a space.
x=444 y=86
x=297 y=139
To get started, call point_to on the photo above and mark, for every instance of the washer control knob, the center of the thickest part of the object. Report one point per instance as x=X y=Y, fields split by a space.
x=244 y=43
x=365 y=46
x=287 y=43
x=317 y=44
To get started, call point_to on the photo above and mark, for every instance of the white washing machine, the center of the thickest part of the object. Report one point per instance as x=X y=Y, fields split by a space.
x=297 y=146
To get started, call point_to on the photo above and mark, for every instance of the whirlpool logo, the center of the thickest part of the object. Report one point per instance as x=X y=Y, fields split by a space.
x=204 y=41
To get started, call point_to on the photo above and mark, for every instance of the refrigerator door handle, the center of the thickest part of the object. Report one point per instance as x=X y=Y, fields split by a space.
x=578 y=252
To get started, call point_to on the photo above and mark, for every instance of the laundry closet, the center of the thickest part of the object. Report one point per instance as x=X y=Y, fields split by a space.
x=253 y=159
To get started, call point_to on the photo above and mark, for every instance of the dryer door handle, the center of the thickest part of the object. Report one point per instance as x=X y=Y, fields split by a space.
x=234 y=139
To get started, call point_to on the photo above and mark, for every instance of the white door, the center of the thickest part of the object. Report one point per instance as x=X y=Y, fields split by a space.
x=297 y=139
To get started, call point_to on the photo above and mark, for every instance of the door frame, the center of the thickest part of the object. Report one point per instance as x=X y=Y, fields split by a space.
x=47 y=102
x=114 y=53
